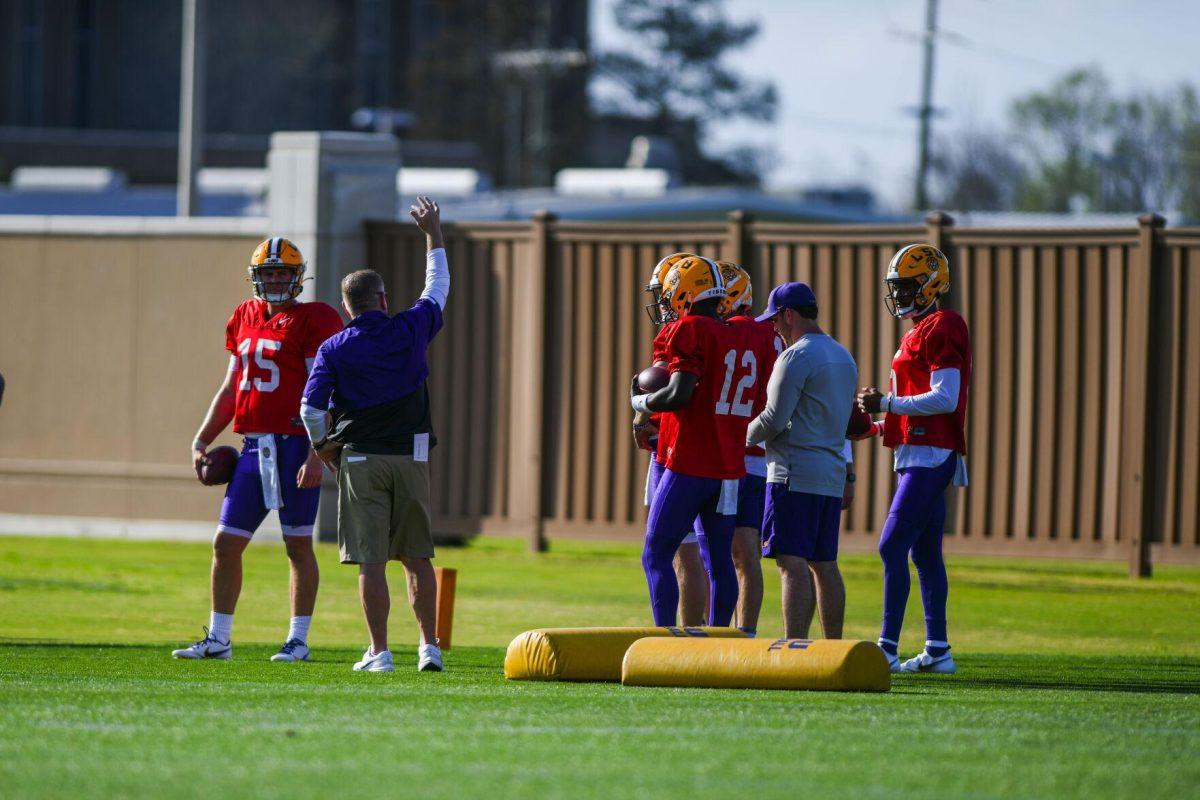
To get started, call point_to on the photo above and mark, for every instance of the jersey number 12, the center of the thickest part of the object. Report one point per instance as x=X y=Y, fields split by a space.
x=738 y=408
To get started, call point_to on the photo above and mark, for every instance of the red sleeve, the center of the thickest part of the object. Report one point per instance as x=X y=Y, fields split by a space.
x=231 y=330
x=945 y=346
x=684 y=350
x=325 y=322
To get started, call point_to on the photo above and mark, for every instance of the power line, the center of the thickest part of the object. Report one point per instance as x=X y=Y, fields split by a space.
x=856 y=126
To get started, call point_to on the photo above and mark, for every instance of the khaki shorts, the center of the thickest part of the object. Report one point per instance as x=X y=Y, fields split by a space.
x=383 y=508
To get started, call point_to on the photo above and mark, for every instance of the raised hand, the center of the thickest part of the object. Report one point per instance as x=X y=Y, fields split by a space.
x=427 y=215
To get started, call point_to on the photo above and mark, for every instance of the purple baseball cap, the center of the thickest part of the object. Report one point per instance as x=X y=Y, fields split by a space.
x=788 y=295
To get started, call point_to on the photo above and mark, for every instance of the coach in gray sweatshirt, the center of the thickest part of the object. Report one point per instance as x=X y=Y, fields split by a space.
x=803 y=427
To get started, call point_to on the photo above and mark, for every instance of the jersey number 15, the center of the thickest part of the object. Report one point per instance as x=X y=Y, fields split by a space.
x=263 y=361
x=738 y=407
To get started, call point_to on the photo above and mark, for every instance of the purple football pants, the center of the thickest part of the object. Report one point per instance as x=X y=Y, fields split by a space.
x=678 y=500
x=915 y=524
x=244 y=509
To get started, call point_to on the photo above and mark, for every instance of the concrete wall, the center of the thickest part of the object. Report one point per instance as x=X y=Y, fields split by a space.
x=113 y=346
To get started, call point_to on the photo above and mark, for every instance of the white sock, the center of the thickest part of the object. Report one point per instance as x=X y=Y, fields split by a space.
x=299 y=629
x=220 y=625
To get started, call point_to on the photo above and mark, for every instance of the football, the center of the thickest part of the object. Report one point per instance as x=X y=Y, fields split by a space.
x=220 y=466
x=860 y=422
x=651 y=379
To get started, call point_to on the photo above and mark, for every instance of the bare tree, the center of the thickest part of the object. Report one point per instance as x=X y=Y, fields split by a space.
x=978 y=170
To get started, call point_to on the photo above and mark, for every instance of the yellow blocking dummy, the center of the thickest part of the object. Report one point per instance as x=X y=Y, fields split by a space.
x=828 y=664
x=586 y=654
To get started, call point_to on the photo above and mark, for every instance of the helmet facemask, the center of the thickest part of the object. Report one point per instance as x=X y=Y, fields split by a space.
x=903 y=297
x=658 y=309
x=282 y=292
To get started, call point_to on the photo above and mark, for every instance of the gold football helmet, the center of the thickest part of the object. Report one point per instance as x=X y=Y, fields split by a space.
x=737 y=289
x=917 y=275
x=659 y=312
x=276 y=252
x=688 y=282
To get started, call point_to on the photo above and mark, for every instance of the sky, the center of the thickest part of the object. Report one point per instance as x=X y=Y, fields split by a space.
x=848 y=71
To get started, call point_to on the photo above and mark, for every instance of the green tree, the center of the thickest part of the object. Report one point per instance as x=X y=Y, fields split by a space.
x=1189 y=162
x=1133 y=153
x=1148 y=164
x=675 y=77
x=1062 y=132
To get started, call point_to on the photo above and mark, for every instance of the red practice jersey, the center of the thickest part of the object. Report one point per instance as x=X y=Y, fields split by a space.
x=659 y=356
x=938 y=341
x=707 y=437
x=271 y=356
x=769 y=348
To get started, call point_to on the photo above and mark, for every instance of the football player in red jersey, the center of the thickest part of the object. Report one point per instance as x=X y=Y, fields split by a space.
x=925 y=423
x=689 y=566
x=272 y=341
x=707 y=405
x=747 y=540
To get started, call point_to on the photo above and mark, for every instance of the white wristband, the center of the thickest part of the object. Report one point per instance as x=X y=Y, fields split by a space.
x=639 y=403
x=199 y=444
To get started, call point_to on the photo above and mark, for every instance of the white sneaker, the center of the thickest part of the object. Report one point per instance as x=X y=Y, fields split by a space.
x=292 y=650
x=208 y=647
x=893 y=661
x=375 y=662
x=924 y=662
x=429 y=658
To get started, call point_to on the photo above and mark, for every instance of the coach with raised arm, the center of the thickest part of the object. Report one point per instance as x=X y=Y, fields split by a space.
x=376 y=435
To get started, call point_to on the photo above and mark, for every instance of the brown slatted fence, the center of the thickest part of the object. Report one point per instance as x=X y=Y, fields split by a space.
x=1176 y=500
x=545 y=326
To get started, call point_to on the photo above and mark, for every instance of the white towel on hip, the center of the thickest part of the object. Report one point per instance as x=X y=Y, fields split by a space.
x=268 y=471
x=728 y=503
x=646 y=492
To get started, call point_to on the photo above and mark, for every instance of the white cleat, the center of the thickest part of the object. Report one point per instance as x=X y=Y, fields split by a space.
x=375 y=662
x=429 y=658
x=943 y=664
x=893 y=660
x=292 y=650
x=208 y=647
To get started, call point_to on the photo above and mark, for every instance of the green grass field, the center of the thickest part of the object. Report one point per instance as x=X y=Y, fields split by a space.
x=1074 y=682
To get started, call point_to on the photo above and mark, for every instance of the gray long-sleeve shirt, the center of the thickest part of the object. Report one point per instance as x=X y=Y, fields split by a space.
x=803 y=427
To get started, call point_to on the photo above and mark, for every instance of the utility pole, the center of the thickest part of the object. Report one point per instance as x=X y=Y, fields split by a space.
x=191 y=108
x=531 y=68
x=925 y=111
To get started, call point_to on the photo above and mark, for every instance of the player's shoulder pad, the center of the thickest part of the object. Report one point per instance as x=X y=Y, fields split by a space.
x=948 y=323
x=248 y=308
x=323 y=312
x=954 y=318
x=688 y=322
